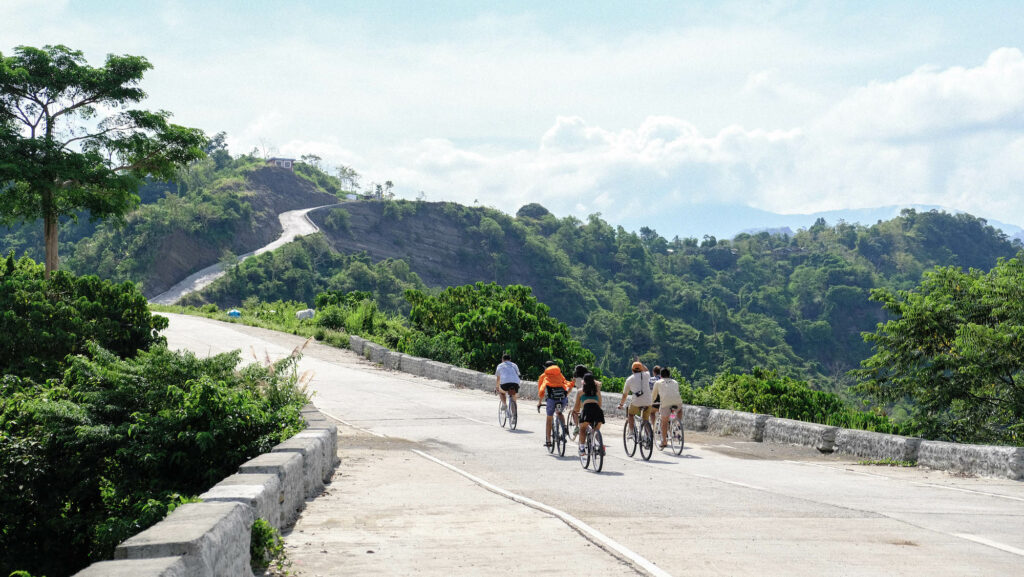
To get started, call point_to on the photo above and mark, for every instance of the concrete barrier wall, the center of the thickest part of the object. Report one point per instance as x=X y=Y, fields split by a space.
x=790 y=432
x=876 y=446
x=288 y=468
x=695 y=417
x=983 y=460
x=737 y=424
x=393 y=361
x=356 y=344
x=435 y=370
x=211 y=539
x=412 y=365
x=462 y=377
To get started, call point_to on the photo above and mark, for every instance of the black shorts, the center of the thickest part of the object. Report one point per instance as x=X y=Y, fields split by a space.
x=592 y=413
x=514 y=387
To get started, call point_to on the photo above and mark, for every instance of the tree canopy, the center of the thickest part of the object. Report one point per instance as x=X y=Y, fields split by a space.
x=69 y=141
x=956 y=348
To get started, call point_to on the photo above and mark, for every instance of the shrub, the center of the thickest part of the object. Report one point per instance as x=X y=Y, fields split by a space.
x=108 y=449
x=43 y=321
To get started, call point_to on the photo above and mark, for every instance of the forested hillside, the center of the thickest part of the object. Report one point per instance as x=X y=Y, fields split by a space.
x=221 y=206
x=796 y=304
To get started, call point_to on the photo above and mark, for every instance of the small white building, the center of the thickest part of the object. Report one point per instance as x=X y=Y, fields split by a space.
x=285 y=163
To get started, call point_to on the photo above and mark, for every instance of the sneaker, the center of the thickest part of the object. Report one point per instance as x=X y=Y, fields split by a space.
x=547 y=443
x=583 y=449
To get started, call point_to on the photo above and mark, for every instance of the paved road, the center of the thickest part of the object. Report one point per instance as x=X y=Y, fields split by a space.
x=295 y=223
x=724 y=508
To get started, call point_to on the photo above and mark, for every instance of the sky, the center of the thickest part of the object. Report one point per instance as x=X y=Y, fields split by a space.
x=691 y=117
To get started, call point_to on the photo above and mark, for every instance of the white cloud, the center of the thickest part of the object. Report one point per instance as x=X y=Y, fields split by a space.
x=930 y=103
x=949 y=137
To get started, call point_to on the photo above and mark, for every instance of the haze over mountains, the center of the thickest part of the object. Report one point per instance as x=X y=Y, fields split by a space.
x=726 y=221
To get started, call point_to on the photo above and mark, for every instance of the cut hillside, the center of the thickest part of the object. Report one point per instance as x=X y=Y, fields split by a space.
x=446 y=244
x=268 y=191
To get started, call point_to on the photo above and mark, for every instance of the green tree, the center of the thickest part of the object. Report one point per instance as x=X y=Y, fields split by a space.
x=69 y=142
x=956 y=349
x=485 y=320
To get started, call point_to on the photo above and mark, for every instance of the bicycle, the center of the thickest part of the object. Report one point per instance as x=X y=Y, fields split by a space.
x=676 y=432
x=593 y=450
x=573 y=426
x=641 y=434
x=508 y=413
x=559 y=432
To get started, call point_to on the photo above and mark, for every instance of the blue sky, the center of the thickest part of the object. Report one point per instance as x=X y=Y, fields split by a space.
x=684 y=116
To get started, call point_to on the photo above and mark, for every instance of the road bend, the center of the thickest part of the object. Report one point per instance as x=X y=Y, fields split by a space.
x=429 y=484
x=294 y=223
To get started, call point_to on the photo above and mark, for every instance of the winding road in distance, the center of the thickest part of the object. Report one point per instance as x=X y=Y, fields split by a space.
x=295 y=223
x=429 y=484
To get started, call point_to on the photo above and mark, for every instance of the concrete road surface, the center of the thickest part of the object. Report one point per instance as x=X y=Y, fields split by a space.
x=430 y=485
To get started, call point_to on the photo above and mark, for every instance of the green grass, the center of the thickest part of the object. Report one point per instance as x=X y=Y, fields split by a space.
x=888 y=463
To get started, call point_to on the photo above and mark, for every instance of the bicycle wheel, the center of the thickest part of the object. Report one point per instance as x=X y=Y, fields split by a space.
x=629 y=437
x=646 y=440
x=513 y=415
x=597 y=449
x=502 y=413
x=573 y=426
x=559 y=435
x=676 y=435
x=585 y=455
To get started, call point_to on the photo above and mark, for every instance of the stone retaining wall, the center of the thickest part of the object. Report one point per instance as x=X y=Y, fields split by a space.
x=790 y=432
x=211 y=539
x=979 y=459
x=1006 y=462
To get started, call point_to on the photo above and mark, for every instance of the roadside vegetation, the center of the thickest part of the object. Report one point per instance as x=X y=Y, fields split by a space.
x=103 y=431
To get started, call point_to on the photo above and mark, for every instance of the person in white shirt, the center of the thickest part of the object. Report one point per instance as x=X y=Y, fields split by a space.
x=506 y=378
x=638 y=385
x=666 y=390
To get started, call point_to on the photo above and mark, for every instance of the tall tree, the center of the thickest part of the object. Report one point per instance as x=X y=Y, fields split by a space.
x=956 y=349
x=69 y=141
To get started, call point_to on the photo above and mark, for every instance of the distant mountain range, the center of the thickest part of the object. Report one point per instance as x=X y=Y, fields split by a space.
x=728 y=221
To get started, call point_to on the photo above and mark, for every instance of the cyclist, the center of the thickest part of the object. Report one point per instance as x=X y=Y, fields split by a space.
x=655 y=404
x=638 y=385
x=590 y=401
x=506 y=378
x=577 y=376
x=667 y=391
x=554 y=385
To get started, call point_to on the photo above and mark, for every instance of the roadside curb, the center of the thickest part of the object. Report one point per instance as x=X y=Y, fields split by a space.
x=211 y=538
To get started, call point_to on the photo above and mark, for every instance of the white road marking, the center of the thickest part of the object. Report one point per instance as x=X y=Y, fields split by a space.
x=840 y=468
x=962 y=490
x=990 y=543
x=593 y=535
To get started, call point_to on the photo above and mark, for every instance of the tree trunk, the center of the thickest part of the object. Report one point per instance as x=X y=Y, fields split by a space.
x=50 y=236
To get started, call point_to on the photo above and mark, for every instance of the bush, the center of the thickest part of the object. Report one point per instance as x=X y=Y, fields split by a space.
x=766 y=392
x=43 y=321
x=108 y=449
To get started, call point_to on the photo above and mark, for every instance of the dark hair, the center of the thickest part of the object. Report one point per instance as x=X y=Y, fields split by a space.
x=589 y=384
x=506 y=357
x=548 y=363
x=580 y=371
x=666 y=374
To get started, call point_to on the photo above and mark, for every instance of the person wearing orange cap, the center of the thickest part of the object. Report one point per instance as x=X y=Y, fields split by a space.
x=637 y=384
x=552 y=384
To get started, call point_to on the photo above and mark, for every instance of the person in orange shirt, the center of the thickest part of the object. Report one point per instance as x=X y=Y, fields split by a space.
x=552 y=384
